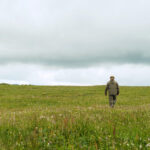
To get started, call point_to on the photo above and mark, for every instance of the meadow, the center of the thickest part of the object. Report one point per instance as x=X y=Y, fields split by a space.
x=73 y=118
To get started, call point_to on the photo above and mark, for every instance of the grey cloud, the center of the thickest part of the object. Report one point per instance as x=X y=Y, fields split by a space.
x=74 y=33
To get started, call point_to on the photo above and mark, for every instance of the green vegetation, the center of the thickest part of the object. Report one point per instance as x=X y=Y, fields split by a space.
x=72 y=118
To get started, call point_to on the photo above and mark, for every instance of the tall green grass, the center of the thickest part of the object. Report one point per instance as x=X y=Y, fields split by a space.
x=72 y=118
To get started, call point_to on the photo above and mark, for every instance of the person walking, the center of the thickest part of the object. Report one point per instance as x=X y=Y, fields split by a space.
x=113 y=90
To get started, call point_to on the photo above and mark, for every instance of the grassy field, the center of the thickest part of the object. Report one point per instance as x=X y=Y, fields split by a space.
x=72 y=118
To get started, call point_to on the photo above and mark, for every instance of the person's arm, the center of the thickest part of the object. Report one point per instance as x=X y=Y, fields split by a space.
x=118 y=91
x=106 y=89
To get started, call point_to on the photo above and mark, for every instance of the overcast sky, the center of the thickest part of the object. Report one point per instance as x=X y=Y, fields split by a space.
x=74 y=42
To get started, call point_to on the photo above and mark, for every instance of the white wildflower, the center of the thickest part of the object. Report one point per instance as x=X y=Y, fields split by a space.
x=60 y=115
x=148 y=145
x=140 y=146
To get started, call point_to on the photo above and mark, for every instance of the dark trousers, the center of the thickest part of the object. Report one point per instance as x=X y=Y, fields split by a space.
x=112 y=100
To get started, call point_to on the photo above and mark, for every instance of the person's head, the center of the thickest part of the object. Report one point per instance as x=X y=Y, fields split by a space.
x=112 y=78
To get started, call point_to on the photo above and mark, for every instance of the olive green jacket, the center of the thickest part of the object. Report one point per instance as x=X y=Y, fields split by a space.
x=112 y=87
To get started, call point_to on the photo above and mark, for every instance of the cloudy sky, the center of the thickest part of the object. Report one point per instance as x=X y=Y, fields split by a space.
x=74 y=42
